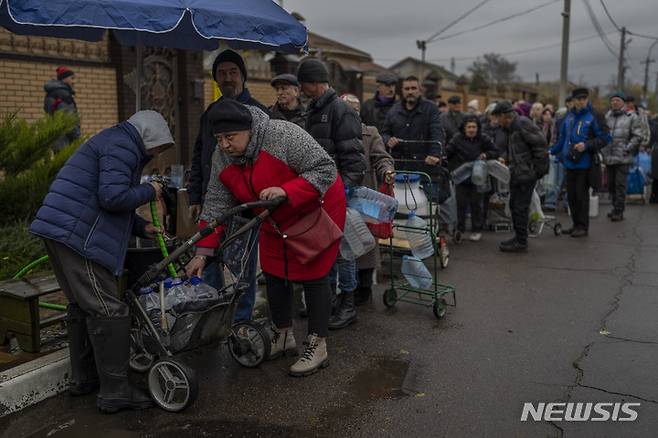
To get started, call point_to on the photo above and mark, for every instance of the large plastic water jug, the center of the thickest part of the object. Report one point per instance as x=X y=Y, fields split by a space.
x=593 y=205
x=462 y=173
x=498 y=170
x=416 y=273
x=480 y=173
x=410 y=195
x=420 y=241
x=375 y=207
x=357 y=238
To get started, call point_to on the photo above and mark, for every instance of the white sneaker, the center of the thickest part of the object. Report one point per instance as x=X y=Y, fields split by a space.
x=474 y=237
x=314 y=358
x=283 y=343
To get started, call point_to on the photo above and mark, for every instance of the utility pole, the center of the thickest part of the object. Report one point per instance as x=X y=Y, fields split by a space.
x=452 y=65
x=564 y=62
x=621 y=71
x=645 y=89
x=422 y=46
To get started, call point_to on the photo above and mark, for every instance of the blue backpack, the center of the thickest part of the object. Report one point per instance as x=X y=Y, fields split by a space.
x=635 y=181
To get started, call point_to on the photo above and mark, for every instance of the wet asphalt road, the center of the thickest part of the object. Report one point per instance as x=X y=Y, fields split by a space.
x=571 y=320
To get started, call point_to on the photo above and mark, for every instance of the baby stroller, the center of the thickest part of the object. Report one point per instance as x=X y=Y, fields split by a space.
x=156 y=344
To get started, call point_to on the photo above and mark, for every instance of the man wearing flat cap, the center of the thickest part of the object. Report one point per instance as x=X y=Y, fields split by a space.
x=288 y=106
x=452 y=119
x=619 y=155
x=527 y=159
x=583 y=134
x=373 y=111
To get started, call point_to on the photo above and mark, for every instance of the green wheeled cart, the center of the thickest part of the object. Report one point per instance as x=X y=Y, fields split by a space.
x=400 y=289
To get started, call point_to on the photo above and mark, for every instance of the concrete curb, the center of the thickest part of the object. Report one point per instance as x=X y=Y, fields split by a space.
x=32 y=382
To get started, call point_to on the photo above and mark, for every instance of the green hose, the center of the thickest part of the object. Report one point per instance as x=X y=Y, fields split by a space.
x=161 y=242
x=20 y=274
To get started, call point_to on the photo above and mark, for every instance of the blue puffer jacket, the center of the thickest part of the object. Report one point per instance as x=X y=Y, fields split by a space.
x=586 y=126
x=91 y=203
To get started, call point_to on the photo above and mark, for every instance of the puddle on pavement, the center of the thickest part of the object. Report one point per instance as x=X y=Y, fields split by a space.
x=382 y=379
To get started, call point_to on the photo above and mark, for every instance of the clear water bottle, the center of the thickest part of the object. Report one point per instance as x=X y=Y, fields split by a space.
x=416 y=273
x=375 y=207
x=479 y=174
x=498 y=170
x=148 y=299
x=419 y=237
x=174 y=293
x=462 y=173
x=203 y=291
x=357 y=238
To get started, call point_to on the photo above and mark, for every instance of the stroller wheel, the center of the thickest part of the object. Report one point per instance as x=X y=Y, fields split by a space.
x=249 y=343
x=172 y=385
x=440 y=308
x=557 y=229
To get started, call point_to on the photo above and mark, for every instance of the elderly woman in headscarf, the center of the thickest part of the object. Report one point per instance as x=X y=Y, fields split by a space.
x=258 y=158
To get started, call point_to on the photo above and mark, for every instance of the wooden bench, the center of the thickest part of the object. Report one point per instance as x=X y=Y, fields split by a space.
x=19 y=310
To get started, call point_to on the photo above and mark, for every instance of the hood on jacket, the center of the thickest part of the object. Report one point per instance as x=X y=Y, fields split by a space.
x=54 y=84
x=152 y=128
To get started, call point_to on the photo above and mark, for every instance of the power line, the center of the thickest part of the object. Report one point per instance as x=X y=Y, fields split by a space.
x=598 y=29
x=458 y=19
x=610 y=17
x=499 y=20
x=639 y=35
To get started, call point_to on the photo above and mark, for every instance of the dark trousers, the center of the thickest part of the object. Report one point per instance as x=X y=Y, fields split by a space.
x=90 y=286
x=317 y=295
x=469 y=198
x=519 y=204
x=365 y=277
x=617 y=185
x=578 y=196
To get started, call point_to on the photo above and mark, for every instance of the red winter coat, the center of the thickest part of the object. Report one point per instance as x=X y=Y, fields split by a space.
x=280 y=154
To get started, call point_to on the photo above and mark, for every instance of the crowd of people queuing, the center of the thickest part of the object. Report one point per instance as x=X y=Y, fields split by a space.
x=312 y=147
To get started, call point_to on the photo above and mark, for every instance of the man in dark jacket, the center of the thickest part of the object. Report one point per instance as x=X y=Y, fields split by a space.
x=374 y=111
x=337 y=127
x=86 y=221
x=528 y=161
x=230 y=73
x=412 y=130
x=288 y=106
x=452 y=119
x=583 y=134
x=60 y=96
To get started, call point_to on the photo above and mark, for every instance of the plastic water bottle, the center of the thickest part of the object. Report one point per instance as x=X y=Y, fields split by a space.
x=357 y=238
x=203 y=291
x=147 y=298
x=479 y=173
x=498 y=170
x=416 y=273
x=174 y=293
x=419 y=237
x=462 y=173
x=375 y=207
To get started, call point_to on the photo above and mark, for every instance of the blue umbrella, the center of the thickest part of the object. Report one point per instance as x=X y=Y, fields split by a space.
x=179 y=24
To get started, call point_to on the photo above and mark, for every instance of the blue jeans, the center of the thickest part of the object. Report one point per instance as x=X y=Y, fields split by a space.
x=347 y=273
x=554 y=193
x=213 y=274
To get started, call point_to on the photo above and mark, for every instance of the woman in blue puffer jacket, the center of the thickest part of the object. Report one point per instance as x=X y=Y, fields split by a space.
x=86 y=221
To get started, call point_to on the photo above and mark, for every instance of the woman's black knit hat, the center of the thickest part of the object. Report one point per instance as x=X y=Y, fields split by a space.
x=228 y=115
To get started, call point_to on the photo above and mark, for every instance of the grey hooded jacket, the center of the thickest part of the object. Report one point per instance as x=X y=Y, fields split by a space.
x=626 y=133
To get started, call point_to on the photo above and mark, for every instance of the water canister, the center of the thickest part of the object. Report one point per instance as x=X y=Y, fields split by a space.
x=374 y=206
x=593 y=205
x=498 y=170
x=462 y=173
x=420 y=241
x=416 y=273
x=479 y=174
x=357 y=238
x=410 y=195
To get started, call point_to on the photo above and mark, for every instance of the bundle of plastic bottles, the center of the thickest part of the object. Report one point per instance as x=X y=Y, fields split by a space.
x=374 y=206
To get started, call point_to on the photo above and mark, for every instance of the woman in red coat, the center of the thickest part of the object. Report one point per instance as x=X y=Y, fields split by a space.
x=259 y=158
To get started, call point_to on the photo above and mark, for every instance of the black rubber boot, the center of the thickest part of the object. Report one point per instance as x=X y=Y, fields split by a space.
x=111 y=340
x=334 y=300
x=84 y=378
x=346 y=313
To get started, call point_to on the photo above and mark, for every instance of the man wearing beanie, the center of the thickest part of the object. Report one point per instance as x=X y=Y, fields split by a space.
x=619 y=155
x=337 y=127
x=230 y=73
x=60 y=97
x=374 y=111
x=86 y=221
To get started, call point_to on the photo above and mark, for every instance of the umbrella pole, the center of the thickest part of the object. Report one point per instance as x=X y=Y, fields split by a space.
x=138 y=73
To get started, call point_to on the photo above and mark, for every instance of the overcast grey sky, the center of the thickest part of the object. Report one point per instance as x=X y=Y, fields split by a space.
x=388 y=29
